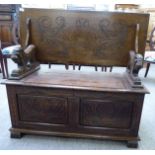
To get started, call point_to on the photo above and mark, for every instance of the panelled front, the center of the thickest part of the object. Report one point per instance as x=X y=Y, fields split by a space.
x=39 y=108
x=106 y=113
x=43 y=109
x=88 y=112
x=109 y=113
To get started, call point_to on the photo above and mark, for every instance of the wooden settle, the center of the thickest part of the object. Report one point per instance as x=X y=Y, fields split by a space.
x=76 y=103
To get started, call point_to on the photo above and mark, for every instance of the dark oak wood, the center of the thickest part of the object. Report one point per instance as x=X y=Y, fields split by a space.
x=132 y=143
x=72 y=104
x=80 y=37
x=76 y=103
x=84 y=37
x=15 y=134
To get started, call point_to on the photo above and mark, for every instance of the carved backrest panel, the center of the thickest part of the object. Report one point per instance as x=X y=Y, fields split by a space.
x=83 y=37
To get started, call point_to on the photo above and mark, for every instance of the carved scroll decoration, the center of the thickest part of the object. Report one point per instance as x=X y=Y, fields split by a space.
x=48 y=31
x=112 y=37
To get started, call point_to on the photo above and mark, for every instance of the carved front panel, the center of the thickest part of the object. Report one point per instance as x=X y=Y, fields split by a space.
x=43 y=109
x=106 y=113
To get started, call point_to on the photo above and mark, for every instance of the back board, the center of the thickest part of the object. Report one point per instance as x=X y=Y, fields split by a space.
x=84 y=37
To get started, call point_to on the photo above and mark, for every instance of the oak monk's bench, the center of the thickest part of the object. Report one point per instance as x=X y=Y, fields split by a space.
x=77 y=103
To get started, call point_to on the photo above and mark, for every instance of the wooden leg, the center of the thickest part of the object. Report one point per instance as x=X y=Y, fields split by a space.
x=132 y=143
x=66 y=66
x=16 y=135
x=73 y=66
x=6 y=67
x=79 y=67
x=95 y=68
x=110 y=69
x=49 y=65
x=102 y=69
x=3 y=68
x=105 y=69
x=147 y=69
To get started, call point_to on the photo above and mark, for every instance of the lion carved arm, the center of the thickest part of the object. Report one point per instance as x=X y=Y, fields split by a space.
x=134 y=65
x=25 y=60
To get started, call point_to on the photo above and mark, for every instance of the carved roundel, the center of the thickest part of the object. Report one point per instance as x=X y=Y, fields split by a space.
x=60 y=21
x=45 y=22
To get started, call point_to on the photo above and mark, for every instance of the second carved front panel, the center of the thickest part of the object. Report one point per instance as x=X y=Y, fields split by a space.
x=105 y=113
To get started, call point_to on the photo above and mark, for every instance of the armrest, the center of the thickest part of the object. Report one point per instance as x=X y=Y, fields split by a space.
x=25 y=60
x=135 y=64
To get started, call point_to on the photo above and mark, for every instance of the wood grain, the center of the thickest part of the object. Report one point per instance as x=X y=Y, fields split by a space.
x=76 y=103
x=83 y=37
x=99 y=81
